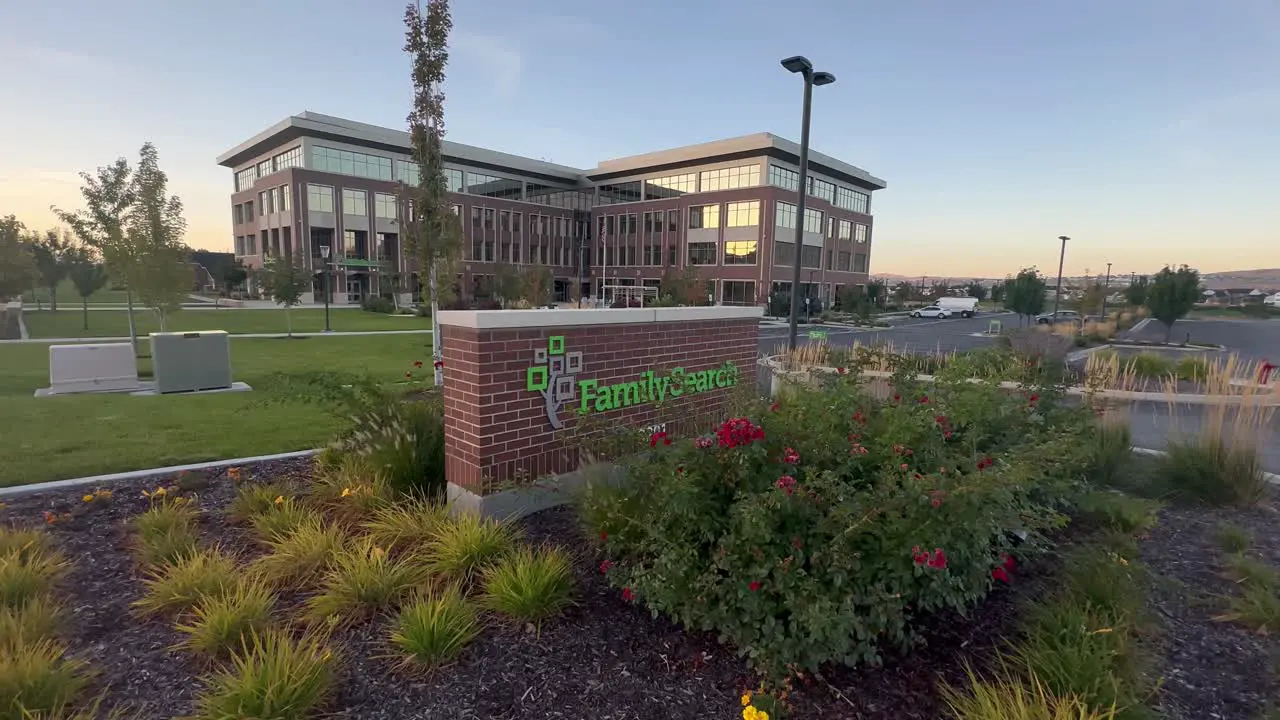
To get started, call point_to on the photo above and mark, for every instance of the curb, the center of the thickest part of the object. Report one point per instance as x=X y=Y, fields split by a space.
x=1272 y=478
x=144 y=474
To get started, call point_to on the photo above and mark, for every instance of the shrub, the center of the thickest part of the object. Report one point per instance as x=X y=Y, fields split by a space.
x=349 y=490
x=1103 y=581
x=1249 y=571
x=1076 y=651
x=406 y=525
x=467 y=543
x=253 y=499
x=13 y=540
x=1214 y=470
x=1233 y=538
x=220 y=622
x=1151 y=365
x=378 y=304
x=363 y=580
x=529 y=585
x=165 y=532
x=272 y=677
x=37 y=678
x=1009 y=699
x=1195 y=369
x=433 y=629
x=34 y=619
x=302 y=555
x=188 y=580
x=758 y=531
x=27 y=574
x=1257 y=608
x=1120 y=512
x=402 y=443
x=282 y=518
x=1112 y=449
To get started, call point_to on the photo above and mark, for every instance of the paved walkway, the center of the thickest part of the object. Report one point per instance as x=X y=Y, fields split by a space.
x=125 y=338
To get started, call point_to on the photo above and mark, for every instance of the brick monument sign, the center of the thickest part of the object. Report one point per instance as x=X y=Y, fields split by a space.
x=516 y=380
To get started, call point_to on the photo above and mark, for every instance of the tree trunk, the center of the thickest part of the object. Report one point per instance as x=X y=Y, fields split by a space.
x=1168 y=331
x=164 y=321
x=133 y=328
x=84 y=302
x=436 y=356
x=288 y=320
x=53 y=297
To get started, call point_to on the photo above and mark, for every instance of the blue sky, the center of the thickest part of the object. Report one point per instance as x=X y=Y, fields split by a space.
x=1143 y=129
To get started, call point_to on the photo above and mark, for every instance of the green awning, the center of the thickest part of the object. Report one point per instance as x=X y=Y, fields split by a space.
x=354 y=262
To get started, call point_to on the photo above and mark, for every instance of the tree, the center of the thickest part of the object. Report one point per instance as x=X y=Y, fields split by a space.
x=876 y=292
x=537 y=285
x=1136 y=293
x=1172 y=294
x=154 y=227
x=433 y=231
x=50 y=254
x=1024 y=294
x=506 y=285
x=997 y=291
x=16 y=265
x=285 y=281
x=976 y=290
x=1091 y=300
x=233 y=275
x=681 y=286
x=87 y=274
x=903 y=292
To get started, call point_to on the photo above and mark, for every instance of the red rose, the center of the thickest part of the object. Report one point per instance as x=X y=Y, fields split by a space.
x=937 y=501
x=939 y=559
x=606 y=566
x=1000 y=574
x=628 y=595
x=841 y=370
x=659 y=437
x=790 y=456
x=754 y=586
x=1010 y=563
x=604 y=536
x=924 y=399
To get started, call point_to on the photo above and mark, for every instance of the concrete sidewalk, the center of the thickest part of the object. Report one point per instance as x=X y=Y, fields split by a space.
x=65 y=341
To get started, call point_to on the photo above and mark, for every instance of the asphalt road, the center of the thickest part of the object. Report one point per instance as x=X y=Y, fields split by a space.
x=911 y=334
x=1251 y=339
x=1154 y=426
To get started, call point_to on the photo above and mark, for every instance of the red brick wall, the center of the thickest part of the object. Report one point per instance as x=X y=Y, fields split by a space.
x=497 y=430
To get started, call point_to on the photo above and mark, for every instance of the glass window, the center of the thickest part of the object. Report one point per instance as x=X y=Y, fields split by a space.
x=245 y=178
x=812 y=220
x=237 y=214
x=504 y=220
x=611 y=194
x=347 y=162
x=673 y=220
x=384 y=206
x=729 y=178
x=670 y=186
x=859 y=262
x=475 y=217
x=860 y=233
x=811 y=257
x=784 y=253
x=702 y=253
x=852 y=199
x=489 y=215
x=742 y=214
x=628 y=224
x=784 y=178
x=785 y=215
x=354 y=202
x=738 y=292
x=740 y=252
x=406 y=171
x=493 y=186
x=287 y=159
x=822 y=189
x=286 y=198
x=846 y=230
x=262 y=201
x=844 y=261
x=535 y=192
x=248 y=212
x=704 y=217
x=516 y=219
x=264 y=168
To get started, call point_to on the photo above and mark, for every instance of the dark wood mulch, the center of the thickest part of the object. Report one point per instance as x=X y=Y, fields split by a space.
x=1211 y=669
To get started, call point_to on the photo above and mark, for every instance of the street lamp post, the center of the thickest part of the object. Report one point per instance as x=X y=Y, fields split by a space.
x=1106 y=288
x=1057 y=296
x=800 y=64
x=324 y=255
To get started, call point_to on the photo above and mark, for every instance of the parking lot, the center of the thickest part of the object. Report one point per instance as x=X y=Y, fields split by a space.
x=1251 y=339
x=911 y=334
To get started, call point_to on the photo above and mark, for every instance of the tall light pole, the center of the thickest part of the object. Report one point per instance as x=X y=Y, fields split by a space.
x=800 y=64
x=1106 y=289
x=324 y=255
x=1057 y=296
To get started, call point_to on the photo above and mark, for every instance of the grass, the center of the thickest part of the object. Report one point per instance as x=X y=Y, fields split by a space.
x=281 y=518
x=37 y=680
x=467 y=543
x=1010 y=699
x=26 y=575
x=165 y=532
x=1232 y=538
x=1257 y=608
x=364 y=579
x=26 y=542
x=1251 y=572
x=529 y=585
x=272 y=677
x=1116 y=511
x=1214 y=470
x=34 y=619
x=434 y=629
x=219 y=624
x=253 y=499
x=406 y=525
x=180 y=586
x=115 y=323
x=301 y=556
x=72 y=436
x=69 y=298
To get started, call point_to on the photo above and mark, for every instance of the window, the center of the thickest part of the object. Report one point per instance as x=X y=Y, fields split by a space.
x=493 y=186
x=742 y=214
x=852 y=200
x=489 y=215
x=822 y=189
x=354 y=202
x=859 y=262
x=504 y=221
x=831 y=259
x=670 y=186
x=653 y=222
x=784 y=253
x=704 y=217
x=730 y=178
x=245 y=178
x=237 y=214
x=860 y=233
x=515 y=222
x=264 y=168
x=287 y=159
x=248 y=212
x=785 y=215
x=784 y=178
x=611 y=194
x=811 y=257
x=347 y=162
x=239 y=244
x=652 y=253
x=557 y=197
x=452 y=178
x=737 y=292
x=812 y=220
x=262 y=201
x=384 y=206
x=406 y=171
x=740 y=252
x=844 y=262
x=250 y=245
x=286 y=198
x=673 y=220
x=846 y=230
x=702 y=253
x=475 y=218
x=628 y=224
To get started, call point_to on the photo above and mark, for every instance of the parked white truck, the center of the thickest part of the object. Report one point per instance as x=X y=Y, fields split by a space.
x=962 y=306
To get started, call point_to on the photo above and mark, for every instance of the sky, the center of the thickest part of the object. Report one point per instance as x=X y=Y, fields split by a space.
x=1146 y=130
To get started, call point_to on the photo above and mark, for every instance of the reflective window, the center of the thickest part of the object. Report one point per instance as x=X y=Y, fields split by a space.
x=286 y=198
x=811 y=257
x=845 y=261
x=812 y=220
x=852 y=199
x=319 y=198
x=742 y=214
x=673 y=220
x=493 y=186
x=628 y=224
x=740 y=252
x=859 y=262
x=729 y=178
x=860 y=233
x=516 y=222
x=738 y=292
x=406 y=171
x=347 y=162
x=670 y=186
x=245 y=178
x=846 y=230
x=264 y=168
x=784 y=253
x=822 y=189
x=704 y=216
x=619 y=193
x=535 y=192
x=262 y=201
x=702 y=253
x=248 y=211
x=384 y=206
x=784 y=178
x=452 y=178
x=354 y=202
x=287 y=159
x=784 y=215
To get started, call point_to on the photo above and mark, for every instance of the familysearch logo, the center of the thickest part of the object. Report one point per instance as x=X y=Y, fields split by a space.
x=554 y=375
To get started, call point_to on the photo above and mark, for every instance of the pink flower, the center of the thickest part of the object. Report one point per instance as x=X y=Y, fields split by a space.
x=946 y=435
x=628 y=595
x=842 y=371
x=790 y=456
x=786 y=484
x=606 y=566
x=936 y=502
x=903 y=466
x=1000 y=574
x=437 y=364
x=939 y=559
x=657 y=437
x=754 y=586
x=924 y=399
x=921 y=558
x=703 y=443
x=1009 y=563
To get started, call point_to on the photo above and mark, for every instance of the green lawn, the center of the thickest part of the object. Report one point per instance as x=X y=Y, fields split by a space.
x=115 y=323
x=77 y=435
x=67 y=295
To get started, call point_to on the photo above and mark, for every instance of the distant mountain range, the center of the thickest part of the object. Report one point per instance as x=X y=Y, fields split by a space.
x=1262 y=279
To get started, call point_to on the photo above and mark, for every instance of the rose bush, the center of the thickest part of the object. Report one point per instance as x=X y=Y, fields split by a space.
x=821 y=528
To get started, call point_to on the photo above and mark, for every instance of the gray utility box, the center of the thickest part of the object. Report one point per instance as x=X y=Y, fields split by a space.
x=187 y=362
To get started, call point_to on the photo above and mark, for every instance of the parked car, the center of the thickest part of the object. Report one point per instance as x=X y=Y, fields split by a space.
x=966 y=306
x=933 y=311
x=1062 y=316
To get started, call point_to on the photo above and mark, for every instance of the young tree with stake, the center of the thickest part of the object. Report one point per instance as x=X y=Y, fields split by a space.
x=285 y=282
x=50 y=254
x=154 y=228
x=87 y=274
x=1024 y=294
x=1171 y=294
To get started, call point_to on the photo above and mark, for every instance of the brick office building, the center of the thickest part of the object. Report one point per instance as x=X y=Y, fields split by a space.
x=726 y=207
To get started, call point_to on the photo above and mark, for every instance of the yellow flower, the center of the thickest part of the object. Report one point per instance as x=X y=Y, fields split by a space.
x=379 y=552
x=159 y=492
x=346 y=492
x=750 y=713
x=88 y=498
x=746 y=699
x=279 y=499
x=762 y=715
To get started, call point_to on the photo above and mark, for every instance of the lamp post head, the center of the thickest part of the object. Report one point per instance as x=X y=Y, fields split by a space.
x=1063 y=238
x=823 y=78
x=324 y=251
x=798 y=64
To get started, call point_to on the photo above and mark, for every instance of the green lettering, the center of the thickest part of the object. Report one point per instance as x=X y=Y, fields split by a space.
x=586 y=388
x=720 y=380
x=678 y=381
x=604 y=399
x=704 y=382
x=626 y=394
x=691 y=383
x=732 y=370
x=663 y=384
